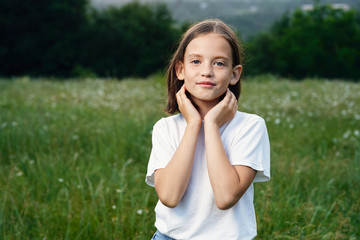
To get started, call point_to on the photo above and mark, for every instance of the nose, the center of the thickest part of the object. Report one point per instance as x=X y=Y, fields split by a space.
x=207 y=70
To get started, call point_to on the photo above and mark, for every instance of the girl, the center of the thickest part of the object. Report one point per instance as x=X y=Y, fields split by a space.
x=204 y=160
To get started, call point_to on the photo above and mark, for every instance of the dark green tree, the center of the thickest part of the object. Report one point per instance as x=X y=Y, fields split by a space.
x=323 y=42
x=40 y=37
x=133 y=40
x=67 y=38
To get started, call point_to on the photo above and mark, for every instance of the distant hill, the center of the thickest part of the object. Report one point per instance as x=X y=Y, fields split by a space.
x=248 y=17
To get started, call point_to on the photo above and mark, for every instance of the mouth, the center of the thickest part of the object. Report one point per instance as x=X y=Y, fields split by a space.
x=206 y=84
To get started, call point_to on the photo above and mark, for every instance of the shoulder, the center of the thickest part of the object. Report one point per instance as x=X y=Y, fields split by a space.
x=169 y=121
x=245 y=125
x=170 y=125
x=168 y=131
x=247 y=116
x=243 y=119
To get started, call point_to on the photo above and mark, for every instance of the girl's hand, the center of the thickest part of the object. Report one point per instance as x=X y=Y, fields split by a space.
x=186 y=108
x=222 y=112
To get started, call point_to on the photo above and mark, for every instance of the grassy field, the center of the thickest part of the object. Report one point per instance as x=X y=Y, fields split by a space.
x=73 y=158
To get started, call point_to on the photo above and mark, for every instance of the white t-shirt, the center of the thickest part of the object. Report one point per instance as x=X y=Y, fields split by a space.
x=197 y=217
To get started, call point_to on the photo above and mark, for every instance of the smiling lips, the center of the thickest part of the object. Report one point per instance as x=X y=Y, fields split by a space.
x=206 y=84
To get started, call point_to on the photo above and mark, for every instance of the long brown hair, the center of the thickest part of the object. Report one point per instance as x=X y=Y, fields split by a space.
x=201 y=28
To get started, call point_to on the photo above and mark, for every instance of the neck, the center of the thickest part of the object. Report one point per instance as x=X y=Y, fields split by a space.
x=205 y=106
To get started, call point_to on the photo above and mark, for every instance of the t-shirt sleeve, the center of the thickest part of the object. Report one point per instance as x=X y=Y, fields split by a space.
x=161 y=152
x=251 y=148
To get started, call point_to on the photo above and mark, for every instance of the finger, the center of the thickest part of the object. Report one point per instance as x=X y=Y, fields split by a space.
x=230 y=101
x=182 y=89
x=183 y=95
x=234 y=102
x=232 y=96
x=180 y=93
x=178 y=98
x=227 y=97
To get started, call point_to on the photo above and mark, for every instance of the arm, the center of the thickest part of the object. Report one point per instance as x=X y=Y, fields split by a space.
x=171 y=182
x=228 y=182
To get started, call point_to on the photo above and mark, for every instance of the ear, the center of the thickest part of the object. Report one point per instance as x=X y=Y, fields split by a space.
x=179 y=69
x=237 y=70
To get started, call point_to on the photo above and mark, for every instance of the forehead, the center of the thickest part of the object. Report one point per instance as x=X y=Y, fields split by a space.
x=211 y=44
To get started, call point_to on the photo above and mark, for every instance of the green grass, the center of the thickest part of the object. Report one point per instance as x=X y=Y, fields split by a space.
x=73 y=158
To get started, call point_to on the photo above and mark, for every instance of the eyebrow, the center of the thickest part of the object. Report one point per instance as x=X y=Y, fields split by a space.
x=216 y=57
x=194 y=55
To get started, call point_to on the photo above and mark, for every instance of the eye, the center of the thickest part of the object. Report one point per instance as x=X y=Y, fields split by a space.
x=195 y=61
x=219 y=64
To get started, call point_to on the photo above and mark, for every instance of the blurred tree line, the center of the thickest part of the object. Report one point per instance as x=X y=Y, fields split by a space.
x=66 y=38
x=323 y=42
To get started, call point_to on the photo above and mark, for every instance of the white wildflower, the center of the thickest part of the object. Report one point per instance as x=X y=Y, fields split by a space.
x=347 y=134
x=101 y=92
x=294 y=94
x=60 y=180
x=277 y=121
x=350 y=104
x=357 y=133
x=139 y=212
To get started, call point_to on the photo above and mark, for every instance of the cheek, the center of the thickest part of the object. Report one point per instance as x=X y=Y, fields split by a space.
x=188 y=83
x=189 y=87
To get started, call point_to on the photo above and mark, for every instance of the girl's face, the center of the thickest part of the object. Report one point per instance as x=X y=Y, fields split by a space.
x=207 y=68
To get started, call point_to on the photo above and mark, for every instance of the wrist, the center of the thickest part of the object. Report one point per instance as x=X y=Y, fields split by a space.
x=211 y=125
x=194 y=125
